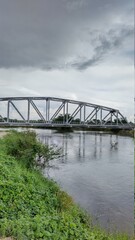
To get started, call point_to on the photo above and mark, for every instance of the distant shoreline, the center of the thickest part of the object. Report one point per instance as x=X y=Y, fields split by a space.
x=128 y=133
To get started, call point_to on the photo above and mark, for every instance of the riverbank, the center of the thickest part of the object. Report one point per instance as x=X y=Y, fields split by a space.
x=128 y=133
x=33 y=207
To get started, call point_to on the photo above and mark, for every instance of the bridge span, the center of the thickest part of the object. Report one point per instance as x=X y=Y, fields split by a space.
x=58 y=112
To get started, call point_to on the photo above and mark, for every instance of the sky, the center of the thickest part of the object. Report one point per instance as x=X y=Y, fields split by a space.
x=75 y=49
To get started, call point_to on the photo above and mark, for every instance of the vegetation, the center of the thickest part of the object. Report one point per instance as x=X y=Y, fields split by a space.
x=33 y=207
x=129 y=133
x=27 y=149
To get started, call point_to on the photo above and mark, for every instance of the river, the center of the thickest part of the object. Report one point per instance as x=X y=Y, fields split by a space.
x=99 y=177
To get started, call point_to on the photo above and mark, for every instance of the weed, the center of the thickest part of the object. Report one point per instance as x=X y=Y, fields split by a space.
x=33 y=207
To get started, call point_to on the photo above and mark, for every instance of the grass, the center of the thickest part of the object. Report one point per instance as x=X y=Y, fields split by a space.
x=33 y=207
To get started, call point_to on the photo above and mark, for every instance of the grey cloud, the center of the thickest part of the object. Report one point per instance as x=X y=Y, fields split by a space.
x=111 y=40
x=48 y=33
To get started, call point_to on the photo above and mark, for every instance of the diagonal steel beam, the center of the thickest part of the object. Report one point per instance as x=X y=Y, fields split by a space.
x=37 y=110
x=95 y=114
x=10 y=102
x=118 y=119
x=107 y=120
x=94 y=110
x=2 y=118
x=57 y=111
x=76 y=111
x=123 y=117
x=111 y=113
x=105 y=117
x=89 y=115
x=67 y=114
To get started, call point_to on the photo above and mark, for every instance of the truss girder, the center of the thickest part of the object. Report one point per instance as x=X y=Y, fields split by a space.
x=89 y=114
x=55 y=99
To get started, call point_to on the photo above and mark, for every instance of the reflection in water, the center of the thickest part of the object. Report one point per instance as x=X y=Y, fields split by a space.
x=81 y=147
x=98 y=176
x=65 y=144
x=64 y=148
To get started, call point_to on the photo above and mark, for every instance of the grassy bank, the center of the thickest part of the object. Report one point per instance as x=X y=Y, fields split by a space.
x=33 y=207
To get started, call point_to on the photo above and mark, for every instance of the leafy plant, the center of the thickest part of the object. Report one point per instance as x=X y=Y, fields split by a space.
x=27 y=149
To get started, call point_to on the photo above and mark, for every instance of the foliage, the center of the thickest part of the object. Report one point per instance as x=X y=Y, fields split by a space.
x=33 y=207
x=25 y=147
x=62 y=118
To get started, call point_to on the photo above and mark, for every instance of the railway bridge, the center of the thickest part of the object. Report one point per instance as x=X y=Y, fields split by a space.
x=58 y=112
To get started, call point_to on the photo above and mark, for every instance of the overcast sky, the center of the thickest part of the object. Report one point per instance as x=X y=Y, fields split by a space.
x=77 y=49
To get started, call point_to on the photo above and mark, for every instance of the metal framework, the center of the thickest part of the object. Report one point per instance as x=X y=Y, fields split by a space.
x=67 y=113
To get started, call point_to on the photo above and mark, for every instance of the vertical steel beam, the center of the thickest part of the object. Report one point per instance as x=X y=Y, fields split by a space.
x=101 y=116
x=111 y=118
x=115 y=114
x=84 y=114
x=28 y=112
x=96 y=116
x=47 y=110
x=67 y=112
x=117 y=118
x=48 y=116
x=64 y=113
x=8 y=111
x=80 y=114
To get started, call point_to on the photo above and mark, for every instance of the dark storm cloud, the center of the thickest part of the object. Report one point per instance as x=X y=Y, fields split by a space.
x=49 y=34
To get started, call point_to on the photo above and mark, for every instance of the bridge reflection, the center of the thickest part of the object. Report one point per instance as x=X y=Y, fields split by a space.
x=81 y=145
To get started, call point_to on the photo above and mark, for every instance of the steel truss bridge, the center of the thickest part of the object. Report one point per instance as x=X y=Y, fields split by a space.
x=58 y=112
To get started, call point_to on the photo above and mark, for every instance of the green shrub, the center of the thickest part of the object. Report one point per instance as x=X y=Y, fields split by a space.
x=27 y=149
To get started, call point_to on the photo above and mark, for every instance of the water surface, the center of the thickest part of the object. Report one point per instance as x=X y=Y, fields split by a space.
x=99 y=177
